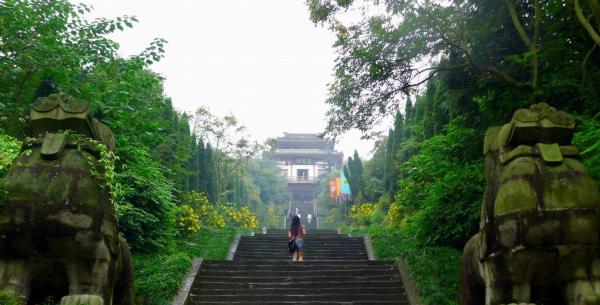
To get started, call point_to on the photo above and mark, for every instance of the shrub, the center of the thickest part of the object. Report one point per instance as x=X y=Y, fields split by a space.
x=240 y=217
x=443 y=188
x=9 y=150
x=158 y=275
x=450 y=214
x=588 y=141
x=396 y=216
x=147 y=208
x=435 y=269
x=207 y=213
x=10 y=299
x=365 y=214
x=188 y=222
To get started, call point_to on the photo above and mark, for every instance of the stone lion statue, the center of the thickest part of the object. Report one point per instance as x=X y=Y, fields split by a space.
x=538 y=240
x=58 y=227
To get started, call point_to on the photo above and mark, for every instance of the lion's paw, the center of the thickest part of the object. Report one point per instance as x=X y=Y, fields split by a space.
x=582 y=293
x=82 y=299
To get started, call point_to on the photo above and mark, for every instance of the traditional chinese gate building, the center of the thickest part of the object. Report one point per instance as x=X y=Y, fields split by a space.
x=304 y=159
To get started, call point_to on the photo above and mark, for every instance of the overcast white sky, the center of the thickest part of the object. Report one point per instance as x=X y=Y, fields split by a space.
x=262 y=60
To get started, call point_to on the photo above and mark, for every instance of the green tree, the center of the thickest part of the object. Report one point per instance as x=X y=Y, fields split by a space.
x=354 y=172
x=504 y=53
x=374 y=172
x=211 y=176
x=47 y=40
x=231 y=149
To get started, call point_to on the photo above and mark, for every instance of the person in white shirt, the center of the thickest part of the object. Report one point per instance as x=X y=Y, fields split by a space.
x=309 y=218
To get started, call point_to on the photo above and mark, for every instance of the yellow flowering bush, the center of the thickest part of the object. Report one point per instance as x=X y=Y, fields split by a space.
x=188 y=222
x=362 y=213
x=396 y=216
x=207 y=213
x=213 y=216
x=240 y=217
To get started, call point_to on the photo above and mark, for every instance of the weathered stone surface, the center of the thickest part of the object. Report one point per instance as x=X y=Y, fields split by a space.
x=540 y=217
x=58 y=228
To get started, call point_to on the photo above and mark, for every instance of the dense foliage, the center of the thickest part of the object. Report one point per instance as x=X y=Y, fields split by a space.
x=158 y=275
x=162 y=154
x=469 y=65
x=181 y=182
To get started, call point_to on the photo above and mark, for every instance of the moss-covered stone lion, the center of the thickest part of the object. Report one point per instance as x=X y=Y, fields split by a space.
x=58 y=228
x=538 y=242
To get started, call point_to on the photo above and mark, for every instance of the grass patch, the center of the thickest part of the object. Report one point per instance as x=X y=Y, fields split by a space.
x=434 y=269
x=158 y=275
x=10 y=299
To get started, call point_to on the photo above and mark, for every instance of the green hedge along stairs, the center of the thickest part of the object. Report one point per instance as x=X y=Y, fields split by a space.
x=336 y=270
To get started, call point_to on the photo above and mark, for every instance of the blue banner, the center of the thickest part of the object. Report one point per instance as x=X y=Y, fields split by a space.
x=344 y=184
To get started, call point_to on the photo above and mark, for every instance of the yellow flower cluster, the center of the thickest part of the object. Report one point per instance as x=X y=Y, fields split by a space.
x=196 y=206
x=241 y=217
x=210 y=216
x=197 y=211
x=396 y=216
x=362 y=214
x=188 y=221
x=362 y=210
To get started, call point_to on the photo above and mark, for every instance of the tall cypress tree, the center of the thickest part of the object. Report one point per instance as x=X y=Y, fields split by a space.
x=396 y=154
x=211 y=181
x=202 y=168
x=389 y=162
x=193 y=166
x=355 y=167
x=408 y=116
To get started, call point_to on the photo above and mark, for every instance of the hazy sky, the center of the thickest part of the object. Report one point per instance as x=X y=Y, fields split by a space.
x=262 y=60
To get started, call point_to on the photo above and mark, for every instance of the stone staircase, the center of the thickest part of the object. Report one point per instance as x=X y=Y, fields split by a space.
x=336 y=270
x=321 y=245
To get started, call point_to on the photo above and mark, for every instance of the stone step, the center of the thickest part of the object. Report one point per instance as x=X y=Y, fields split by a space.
x=312 y=231
x=294 y=267
x=308 y=254
x=278 y=279
x=307 y=257
x=314 y=263
x=298 y=285
x=306 y=242
x=295 y=296
x=288 y=257
x=285 y=274
x=278 y=243
x=312 y=238
x=308 y=247
x=403 y=302
x=340 y=240
x=305 y=291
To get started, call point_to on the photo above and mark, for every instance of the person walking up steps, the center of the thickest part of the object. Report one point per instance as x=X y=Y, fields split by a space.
x=296 y=233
